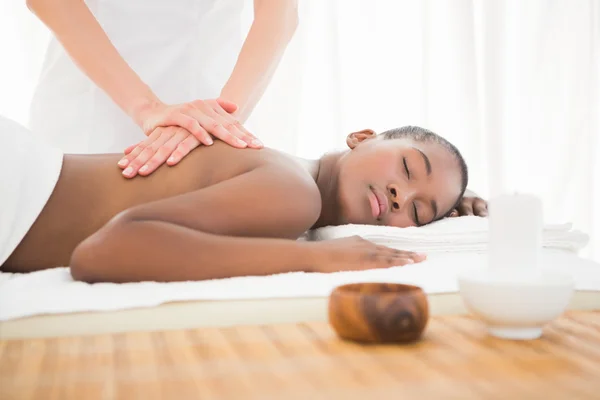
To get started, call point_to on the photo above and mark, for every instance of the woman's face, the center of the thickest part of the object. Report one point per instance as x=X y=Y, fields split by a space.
x=396 y=182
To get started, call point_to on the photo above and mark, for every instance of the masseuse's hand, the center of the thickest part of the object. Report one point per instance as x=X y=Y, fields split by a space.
x=471 y=204
x=173 y=131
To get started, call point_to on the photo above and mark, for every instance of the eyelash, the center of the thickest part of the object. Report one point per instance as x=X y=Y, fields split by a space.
x=406 y=167
x=416 y=215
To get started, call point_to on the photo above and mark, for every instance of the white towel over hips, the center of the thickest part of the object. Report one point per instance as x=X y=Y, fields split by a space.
x=29 y=170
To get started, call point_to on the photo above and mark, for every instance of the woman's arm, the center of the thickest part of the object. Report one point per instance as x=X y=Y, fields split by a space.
x=82 y=37
x=235 y=228
x=229 y=229
x=275 y=22
x=133 y=250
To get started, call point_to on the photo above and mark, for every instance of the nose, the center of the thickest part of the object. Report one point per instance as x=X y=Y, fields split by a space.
x=398 y=198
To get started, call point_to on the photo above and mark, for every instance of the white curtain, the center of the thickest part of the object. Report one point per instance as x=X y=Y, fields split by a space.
x=514 y=84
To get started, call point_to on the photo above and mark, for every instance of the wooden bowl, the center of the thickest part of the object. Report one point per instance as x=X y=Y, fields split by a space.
x=378 y=312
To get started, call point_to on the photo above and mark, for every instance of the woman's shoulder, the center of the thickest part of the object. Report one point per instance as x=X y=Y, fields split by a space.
x=294 y=178
x=284 y=174
x=274 y=188
x=288 y=185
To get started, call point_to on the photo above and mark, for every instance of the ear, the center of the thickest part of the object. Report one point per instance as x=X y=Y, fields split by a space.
x=355 y=138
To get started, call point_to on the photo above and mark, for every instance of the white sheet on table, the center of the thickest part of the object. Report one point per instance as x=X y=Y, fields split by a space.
x=53 y=291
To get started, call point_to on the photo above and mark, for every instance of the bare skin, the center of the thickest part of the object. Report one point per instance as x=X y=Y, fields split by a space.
x=90 y=192
x=194 y=221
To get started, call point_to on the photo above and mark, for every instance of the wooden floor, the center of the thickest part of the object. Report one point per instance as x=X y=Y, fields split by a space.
x=455 y=360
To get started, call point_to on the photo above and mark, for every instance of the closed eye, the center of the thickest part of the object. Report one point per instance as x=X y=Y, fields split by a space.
x=406 y=167
x=416 y=215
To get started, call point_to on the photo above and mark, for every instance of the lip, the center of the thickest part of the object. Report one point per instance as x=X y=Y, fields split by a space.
x=379 y=203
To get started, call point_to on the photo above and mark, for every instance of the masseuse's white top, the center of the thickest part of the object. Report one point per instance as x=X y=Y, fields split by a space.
x=28 y=174
x=183 y=49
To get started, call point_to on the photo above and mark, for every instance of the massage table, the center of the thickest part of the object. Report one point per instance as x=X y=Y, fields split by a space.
x=194 y=314
x=49 y=303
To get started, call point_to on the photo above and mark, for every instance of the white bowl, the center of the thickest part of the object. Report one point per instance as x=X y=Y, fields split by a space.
x=513 y=305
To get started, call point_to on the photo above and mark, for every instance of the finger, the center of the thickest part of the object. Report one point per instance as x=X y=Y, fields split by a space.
x=453 y=213
x=419 y=257
x=132 y=154
x=399 y=261
x=218 y=125
x=480 y=207
x=213 y=125
x=465 y=207
x=401 y=254
x=147 y=153
x=196 y=123
x=183 y=149
x=416 y=257
x=217 y=129
x=397 y=252
x=228 y=106
x=164 y=151
x=130 y=148
x=124 y=162
x=237 y=129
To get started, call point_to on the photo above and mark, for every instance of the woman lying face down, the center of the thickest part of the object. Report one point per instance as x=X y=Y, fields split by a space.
x=227 y=212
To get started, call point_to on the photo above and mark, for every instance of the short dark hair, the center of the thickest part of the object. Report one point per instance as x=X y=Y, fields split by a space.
x=419 y=134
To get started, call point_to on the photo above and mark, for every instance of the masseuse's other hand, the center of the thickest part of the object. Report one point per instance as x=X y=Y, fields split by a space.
x=471 y=204
x=355 y=253
x=165 y=141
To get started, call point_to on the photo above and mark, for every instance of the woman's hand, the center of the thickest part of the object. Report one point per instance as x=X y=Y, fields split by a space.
x=355 y=253
x=202 y=118
x=168 y=144
x=173 y=131
x=470 y=204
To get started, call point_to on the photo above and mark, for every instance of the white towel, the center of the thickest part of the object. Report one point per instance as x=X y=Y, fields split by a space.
x=450 y=235
x=53 y=291
x=29 y=170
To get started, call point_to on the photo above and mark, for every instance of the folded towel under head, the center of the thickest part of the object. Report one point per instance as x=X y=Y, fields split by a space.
x=450 y=235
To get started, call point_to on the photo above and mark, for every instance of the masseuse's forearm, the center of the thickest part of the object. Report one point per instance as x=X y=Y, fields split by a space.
x=134 y=251
x=275 y=22
x=89 y=47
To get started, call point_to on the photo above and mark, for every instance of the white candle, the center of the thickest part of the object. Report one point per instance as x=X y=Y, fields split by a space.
x=516 y=224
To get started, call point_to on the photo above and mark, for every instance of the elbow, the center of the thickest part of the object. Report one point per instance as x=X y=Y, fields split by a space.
x=84 y=265
x=96 y=259
x=91 y=261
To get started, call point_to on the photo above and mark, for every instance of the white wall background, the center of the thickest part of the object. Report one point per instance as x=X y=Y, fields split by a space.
x=514 y=84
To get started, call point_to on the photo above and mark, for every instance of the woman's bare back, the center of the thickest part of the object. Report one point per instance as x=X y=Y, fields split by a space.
x=91 y=191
